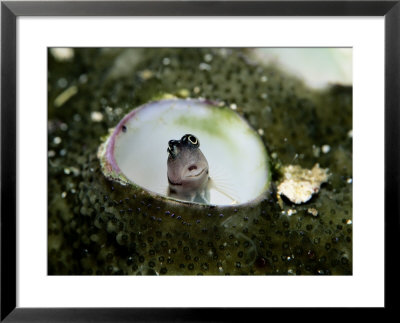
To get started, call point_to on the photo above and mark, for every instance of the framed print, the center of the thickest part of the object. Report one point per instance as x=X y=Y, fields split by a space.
x=182 y=156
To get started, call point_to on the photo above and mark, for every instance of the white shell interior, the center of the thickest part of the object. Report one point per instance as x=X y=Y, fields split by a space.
x=236 y=156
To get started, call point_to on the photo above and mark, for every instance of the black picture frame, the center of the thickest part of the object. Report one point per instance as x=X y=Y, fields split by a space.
x=10 y=10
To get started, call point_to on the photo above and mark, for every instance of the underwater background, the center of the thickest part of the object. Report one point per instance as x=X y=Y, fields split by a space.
x=98 y=227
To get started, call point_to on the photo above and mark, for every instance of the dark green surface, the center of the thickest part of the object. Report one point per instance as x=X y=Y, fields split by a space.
x=100 y=227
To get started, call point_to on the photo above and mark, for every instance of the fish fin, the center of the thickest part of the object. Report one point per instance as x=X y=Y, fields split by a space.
x=212 y=185
x=223 y=184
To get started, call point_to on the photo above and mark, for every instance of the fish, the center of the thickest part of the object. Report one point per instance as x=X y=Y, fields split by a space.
x=188 y=172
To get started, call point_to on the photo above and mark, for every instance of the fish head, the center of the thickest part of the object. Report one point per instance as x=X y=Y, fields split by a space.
x=187 y=166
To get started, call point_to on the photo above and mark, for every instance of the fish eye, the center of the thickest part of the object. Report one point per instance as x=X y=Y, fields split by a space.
x=172 y=149
x=193 y=139
x=172 y=143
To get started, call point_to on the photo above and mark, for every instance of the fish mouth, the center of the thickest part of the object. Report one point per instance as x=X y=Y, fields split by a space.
x=198 y=174
x=189 y=176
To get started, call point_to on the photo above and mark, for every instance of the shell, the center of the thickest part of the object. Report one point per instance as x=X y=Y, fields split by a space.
x=135 y=152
